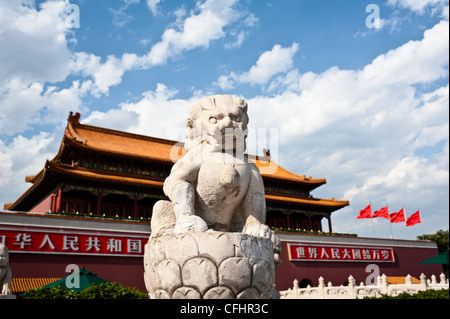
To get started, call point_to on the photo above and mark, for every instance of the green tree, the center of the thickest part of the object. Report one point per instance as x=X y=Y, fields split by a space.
x=428 y=294
x=441 y=239
x=111 y=291
x=101 y=291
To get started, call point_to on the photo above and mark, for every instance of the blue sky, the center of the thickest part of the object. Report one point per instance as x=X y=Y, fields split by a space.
x=366 y=108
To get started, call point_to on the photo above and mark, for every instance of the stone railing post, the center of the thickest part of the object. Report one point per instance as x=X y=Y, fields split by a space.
x=378 y=281
x=433 y=280
x=384 y=289
x=351 y=287
x=423 y=282
x=296 y=289
x=408 y=280
x=442 y=277
x=321 y=288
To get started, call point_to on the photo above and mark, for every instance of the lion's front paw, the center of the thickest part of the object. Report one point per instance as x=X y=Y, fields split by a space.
x=190 y=223
x=253 y=227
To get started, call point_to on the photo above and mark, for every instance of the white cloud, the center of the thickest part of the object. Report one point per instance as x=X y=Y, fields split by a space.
x=116 y=119
x=15 y=161
x=153 y=6
x=434 y=105
x=278 y=60
x=365 y=130
x=104 y=74
x=418 y=6
x=355 y=127
x=411 y=181
x=238 y=42
x=241 y=31
x=41 y=33
x=392 y=23
x=226 y=82
x=148 y=115
x=350 y=126
x=445 y=14
x=84 y=63
x=109 y=73
x=18 y=106
x=396 y=66
x=397 y=18
x=33 y=42
x=58 y=103
x=206 y=24
x=270 y=63
x=381 y=95
x=23 y=105
x=34 y=55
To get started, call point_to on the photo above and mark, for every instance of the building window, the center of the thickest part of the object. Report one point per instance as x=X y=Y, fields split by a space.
x=74 y=206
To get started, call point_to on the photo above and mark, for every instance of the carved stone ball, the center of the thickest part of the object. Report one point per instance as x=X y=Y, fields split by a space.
x=209 y=265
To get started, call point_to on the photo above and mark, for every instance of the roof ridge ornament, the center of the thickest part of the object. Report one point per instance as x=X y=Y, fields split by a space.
x=72 y=122
x=74 y=119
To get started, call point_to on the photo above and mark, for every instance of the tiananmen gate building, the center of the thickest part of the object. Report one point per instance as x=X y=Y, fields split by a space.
x=91 y=206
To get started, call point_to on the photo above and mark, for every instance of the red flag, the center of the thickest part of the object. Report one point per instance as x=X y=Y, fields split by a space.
x=383 y=213
x=398 y=217
x=365 y=213
x=413 y=219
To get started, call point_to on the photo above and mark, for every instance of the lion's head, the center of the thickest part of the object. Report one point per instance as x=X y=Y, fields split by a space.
x=218 y=120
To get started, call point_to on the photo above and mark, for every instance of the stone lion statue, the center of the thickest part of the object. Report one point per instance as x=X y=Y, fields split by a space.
x=212 y=227
x=5 y=271
x=214 y=186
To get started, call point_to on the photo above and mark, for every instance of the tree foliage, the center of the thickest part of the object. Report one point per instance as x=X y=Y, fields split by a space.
x=101 y=291
x=441 y=239
x=427 y=294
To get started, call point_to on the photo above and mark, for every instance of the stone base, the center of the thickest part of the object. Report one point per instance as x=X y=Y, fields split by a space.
x=209 y=265
x=7 y=297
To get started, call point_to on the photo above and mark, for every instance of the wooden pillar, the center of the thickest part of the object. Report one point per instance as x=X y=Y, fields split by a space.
x=288 y=222
x=53 y=203
x=329 y=224
x=309 y=222
x=136 y=207
x=58 y=200
x=99 y=202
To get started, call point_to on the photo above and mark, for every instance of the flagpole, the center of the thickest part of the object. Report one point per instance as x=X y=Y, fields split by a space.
x=371 y=218
x=389 y=220
x=407 y=233
x=373 y=227
x=421 y=229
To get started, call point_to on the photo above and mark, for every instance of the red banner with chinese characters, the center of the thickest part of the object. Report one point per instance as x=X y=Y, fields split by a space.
x=307 y=252
x=72 y=243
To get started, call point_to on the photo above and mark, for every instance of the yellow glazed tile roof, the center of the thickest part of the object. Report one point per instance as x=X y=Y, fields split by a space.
x=134 y=145
x=21 y=285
